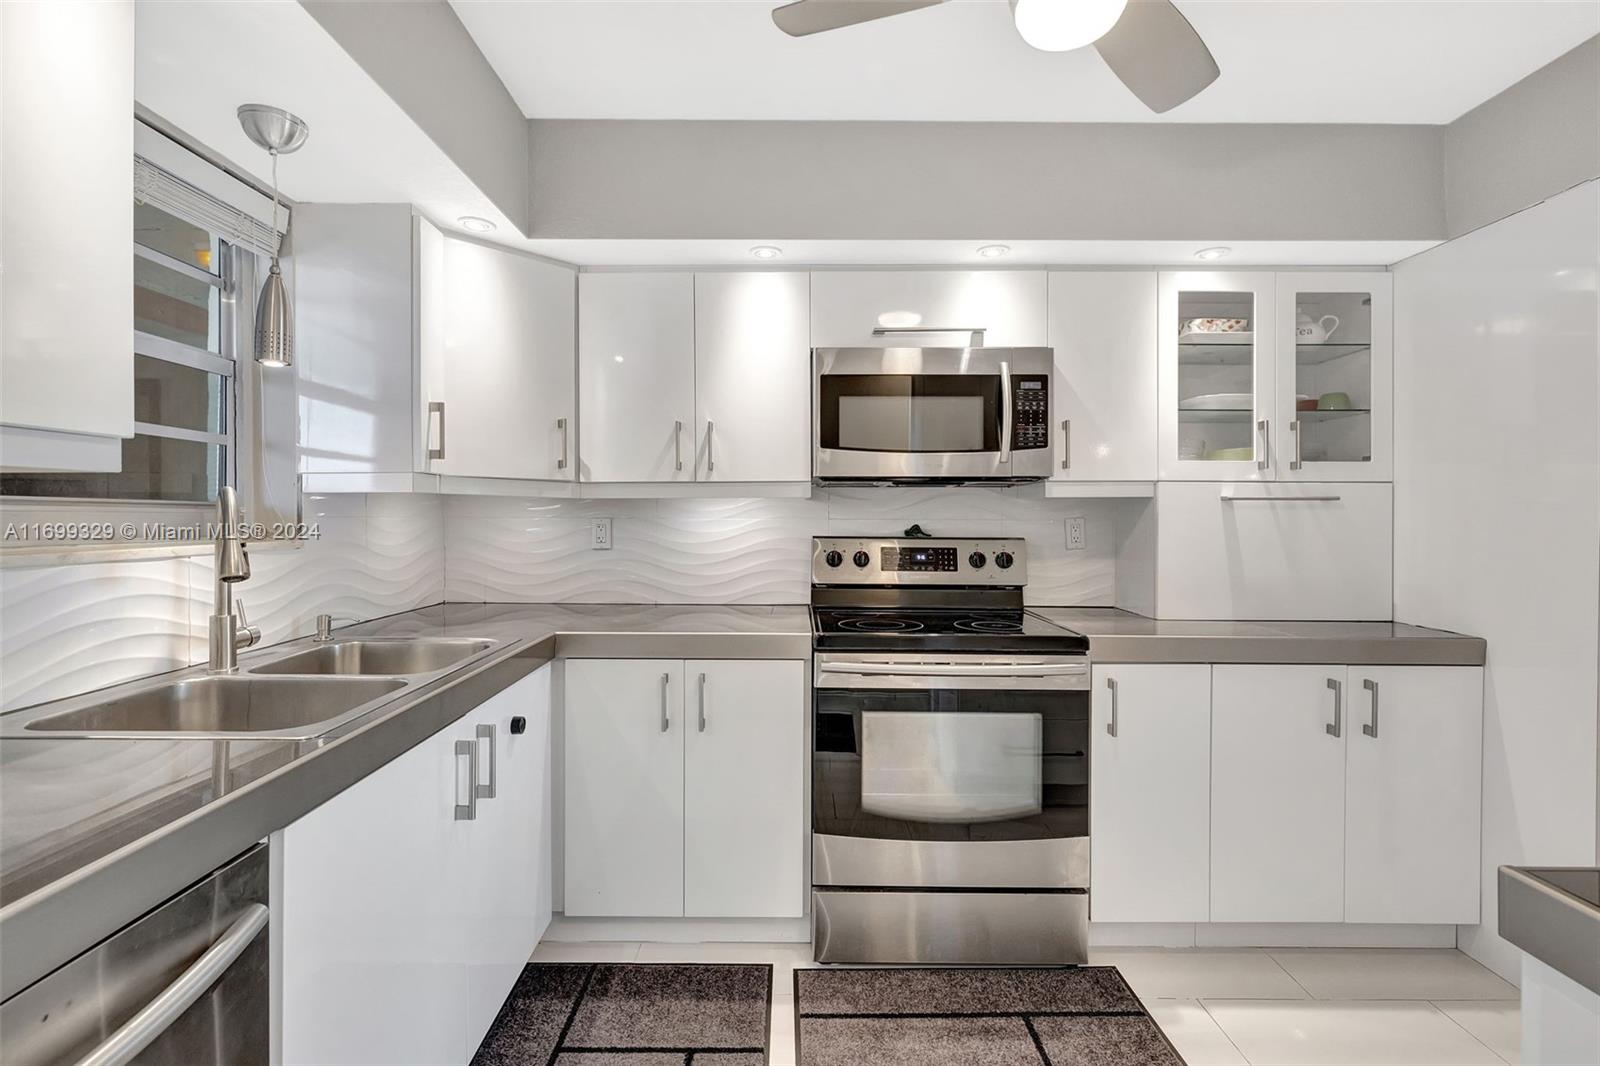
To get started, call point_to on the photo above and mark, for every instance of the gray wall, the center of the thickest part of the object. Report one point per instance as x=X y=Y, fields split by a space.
x=907 y=180
x=419 y=53
x=1533 y=140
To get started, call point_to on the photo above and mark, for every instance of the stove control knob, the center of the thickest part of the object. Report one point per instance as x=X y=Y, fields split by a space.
x=834 y=558
x=861 y=559
x=1003 y=560
x=977 y=560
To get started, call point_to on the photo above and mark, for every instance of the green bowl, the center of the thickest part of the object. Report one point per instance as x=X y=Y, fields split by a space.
x=1334 y=401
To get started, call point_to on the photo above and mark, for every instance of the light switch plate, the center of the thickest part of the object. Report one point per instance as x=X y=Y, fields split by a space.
x=1077 y=536
x=600 y=534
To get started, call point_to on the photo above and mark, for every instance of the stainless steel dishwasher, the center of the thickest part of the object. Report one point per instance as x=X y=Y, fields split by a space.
x=186 y=983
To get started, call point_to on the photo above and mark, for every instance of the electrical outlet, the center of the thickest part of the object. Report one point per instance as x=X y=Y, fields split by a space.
x=600 y=534
x=1077 y=537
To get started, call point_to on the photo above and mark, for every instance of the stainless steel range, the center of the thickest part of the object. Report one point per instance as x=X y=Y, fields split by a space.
x=950 y=763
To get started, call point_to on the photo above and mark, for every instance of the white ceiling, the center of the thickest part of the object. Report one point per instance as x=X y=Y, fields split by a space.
x=800 y=254
x=194 y=63
x=1400 y=61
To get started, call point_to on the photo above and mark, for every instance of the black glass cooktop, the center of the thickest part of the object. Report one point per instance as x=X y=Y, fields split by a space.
x=947 y=629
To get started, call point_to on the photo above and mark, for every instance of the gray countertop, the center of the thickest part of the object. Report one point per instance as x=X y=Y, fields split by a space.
x=95 y=832
x=1120 y=637
x=1553 y=913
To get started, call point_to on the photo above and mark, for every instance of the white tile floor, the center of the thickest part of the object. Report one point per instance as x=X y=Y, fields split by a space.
x=1231 y=1006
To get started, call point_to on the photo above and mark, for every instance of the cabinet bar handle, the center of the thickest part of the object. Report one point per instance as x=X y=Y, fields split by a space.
x=1066 y=444
x=1294 y=427
x=561 y=463
x=711 y=459
x=1266 y=453
x=1111 y=726
x=1280 y=499
x=466 y=812
x=677 y=445
x=702 y=703
x=666 y=679
x=480 y=789
x=1371 y=728
x=1335 y=728
x=436 y=407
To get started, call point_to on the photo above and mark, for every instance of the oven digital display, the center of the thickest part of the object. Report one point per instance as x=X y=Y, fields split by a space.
x=902 y=560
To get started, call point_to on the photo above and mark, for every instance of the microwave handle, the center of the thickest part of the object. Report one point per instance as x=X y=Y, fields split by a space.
x=1005 y=412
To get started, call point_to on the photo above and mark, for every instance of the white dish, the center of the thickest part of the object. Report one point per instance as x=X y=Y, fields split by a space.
x=1219 y=401
x=1201 y=336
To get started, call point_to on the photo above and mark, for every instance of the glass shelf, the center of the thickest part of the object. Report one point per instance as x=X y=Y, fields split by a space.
x=1317 y=354
x=1245 y=414
x=1212 y=353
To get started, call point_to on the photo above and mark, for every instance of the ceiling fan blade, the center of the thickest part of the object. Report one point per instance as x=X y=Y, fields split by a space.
x=1157 y=54
x=804 y=17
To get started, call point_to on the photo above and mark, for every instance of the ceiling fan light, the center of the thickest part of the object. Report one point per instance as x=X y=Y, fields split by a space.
x=1062 y=25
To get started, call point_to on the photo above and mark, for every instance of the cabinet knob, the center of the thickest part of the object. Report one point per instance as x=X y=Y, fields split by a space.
x=519 y=725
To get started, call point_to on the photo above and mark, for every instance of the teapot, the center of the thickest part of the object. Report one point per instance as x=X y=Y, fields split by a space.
x=1308 y=330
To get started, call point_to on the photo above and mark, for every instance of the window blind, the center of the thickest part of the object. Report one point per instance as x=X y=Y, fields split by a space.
x=153 y=185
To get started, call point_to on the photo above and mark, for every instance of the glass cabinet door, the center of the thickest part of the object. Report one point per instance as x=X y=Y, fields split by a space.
x=1334 y=384
x=1217 y=372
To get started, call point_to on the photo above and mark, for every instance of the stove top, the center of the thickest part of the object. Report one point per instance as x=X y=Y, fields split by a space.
x=940 y=629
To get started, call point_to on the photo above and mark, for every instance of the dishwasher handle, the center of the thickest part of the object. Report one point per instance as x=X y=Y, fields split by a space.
x=956 y=669
x=138 y=1032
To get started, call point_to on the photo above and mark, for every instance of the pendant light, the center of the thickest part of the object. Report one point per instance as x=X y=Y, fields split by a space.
x=278 y=132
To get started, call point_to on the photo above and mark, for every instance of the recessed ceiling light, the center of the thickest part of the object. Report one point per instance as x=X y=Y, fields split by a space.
x=475 y=224
x=766 y=251
x=1208 y=254
x=994 y=251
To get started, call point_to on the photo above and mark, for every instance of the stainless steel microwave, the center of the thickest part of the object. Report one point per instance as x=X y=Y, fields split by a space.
x=936 y=415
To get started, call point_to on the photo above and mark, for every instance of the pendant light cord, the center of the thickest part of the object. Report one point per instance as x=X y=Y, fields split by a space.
x=273 y=152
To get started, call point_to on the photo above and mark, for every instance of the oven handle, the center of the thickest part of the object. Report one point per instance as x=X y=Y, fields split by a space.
x=955 y=669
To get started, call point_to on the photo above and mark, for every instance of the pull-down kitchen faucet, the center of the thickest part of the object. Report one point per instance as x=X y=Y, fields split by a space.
x=229 y=629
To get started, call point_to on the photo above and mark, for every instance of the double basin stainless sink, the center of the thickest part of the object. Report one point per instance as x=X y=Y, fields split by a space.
x=302 y=693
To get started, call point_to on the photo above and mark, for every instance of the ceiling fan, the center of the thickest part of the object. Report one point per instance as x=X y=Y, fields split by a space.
x=1146 y=43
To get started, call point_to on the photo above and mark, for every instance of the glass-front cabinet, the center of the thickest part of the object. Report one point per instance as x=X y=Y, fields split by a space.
x=1335 y=379
x=1275 y=376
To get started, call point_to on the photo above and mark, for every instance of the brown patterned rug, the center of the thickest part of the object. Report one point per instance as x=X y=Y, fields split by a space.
x=633 y=1014
x=1071 y=1016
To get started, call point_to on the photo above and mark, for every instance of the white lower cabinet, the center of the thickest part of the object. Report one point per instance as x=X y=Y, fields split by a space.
x=1149 y=801
x=624 y=787
x=1413 y=788
x=678 y=805
x=1277 y=795
x=1333 y=799
x=401 y=926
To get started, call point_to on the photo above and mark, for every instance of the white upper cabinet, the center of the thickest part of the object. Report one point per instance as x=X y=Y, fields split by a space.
x=508 y=366
x=421 y=352
x=1217 y=375
x=1334 y=417
x=66 y=226
x=1103 y=330
x=636 y=377
x=752 y=373
x=1281 y=377
x=1009 y=305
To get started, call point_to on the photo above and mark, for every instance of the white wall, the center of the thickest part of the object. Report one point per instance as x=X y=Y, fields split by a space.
x=73 y=628
x=1497 y=512
x=751 y=551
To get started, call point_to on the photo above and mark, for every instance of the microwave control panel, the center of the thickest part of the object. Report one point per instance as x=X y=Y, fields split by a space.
x=1030 y=412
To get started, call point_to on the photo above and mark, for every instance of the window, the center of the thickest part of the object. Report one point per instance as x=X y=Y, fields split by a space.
x=197 y=267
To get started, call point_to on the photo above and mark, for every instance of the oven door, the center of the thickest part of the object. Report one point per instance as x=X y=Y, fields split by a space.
x=912 y=413
x=948 y=772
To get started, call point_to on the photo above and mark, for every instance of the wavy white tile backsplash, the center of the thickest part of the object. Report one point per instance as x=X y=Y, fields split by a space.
x=69 y=629
x=749 y=551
